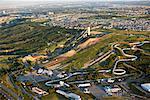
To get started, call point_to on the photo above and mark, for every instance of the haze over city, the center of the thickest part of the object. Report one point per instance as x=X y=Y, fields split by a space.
x=21 y=3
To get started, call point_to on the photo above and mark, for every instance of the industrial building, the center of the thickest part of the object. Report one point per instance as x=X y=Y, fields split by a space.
x=39 y=91
x=71 y=96
x=146 y=86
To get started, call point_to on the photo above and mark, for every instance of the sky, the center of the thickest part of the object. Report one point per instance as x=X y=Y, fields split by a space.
x=7 y=1
x=15 y=3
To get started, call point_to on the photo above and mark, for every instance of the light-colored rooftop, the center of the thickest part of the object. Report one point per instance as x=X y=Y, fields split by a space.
x=146 y=86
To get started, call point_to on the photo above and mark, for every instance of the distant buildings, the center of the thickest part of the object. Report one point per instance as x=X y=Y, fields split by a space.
x=131 y=24
x=130 y=18
x=51 y=13
x=124 y=18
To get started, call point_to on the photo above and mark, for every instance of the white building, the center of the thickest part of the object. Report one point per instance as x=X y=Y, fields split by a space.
x=89 y=31
x=86 y=90
x=40 y=71
x=114 y=90
x=61 y=75
x=84 y=85
x=111 y=80
x=146 y=86
x=51 y=13
x=69 y=95
x=39 y=91
x=44 y=71
x=62 y=83
x=110 y=90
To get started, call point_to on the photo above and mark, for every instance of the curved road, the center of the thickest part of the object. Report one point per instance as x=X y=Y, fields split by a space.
x=132 y=57
x=115 y=70
x=70 y=75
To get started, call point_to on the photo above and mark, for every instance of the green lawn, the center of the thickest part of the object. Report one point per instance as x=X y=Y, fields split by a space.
x=90 y=53
x=53 y=96
x=31 y=37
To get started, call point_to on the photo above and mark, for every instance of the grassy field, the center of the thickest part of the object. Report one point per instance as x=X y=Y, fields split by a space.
x=4 y=61
x=53 y=96
x=91 y=52
x=6 y=81
x=31 y=37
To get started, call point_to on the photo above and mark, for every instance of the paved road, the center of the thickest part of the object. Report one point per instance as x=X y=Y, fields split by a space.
x=82 y=81
x=70 y=75
x=98 y=80
x=100 y=58
x=122 y=71
x=9 y=91
x=127 y=89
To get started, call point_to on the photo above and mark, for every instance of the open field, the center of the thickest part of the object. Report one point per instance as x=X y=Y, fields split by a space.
x=6 y=19
x=91 y=52
x=92 y=47
x=4 y=62
x=31 y=37
x=89 y=42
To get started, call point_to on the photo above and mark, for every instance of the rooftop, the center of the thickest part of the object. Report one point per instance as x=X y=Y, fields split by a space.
x=146 y=86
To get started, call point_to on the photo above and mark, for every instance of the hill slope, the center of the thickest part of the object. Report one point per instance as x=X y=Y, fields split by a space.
x=31 y=37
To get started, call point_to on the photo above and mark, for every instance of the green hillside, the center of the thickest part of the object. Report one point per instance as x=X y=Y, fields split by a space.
x=104 y=45
x=31 y=37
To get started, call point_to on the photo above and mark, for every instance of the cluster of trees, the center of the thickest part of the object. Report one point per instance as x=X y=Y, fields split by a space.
x=14 y=64
x=31 y=37
x=142 y=63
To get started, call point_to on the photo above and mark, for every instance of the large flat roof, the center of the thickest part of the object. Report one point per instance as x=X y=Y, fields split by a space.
x=146 y=86
x=97 y=91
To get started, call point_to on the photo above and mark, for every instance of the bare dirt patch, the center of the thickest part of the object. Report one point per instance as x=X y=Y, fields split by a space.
x=69 y=53
x=89 y=42
x=95 y=32
x=55 y=61
x=61 y=58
